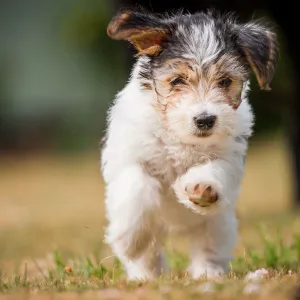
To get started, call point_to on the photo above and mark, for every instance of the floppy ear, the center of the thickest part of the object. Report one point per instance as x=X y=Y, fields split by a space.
x=260 y=47
x=145 y=31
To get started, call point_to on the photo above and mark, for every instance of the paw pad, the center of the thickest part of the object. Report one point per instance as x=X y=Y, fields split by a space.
x=203 y=195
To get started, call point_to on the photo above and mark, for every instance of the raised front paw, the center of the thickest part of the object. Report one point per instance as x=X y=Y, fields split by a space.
x=201 y=194
x=200 y=190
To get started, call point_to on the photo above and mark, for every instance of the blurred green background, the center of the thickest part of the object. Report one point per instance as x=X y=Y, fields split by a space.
x=59 y=71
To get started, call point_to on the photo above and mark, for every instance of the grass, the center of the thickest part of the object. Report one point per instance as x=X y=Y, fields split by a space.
x=51 y=229
x=69 y=274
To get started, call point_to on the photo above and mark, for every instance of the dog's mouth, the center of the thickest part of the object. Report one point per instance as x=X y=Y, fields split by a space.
x=202 y=134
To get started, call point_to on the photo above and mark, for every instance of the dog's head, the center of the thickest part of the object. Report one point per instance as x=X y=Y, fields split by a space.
x=198 y=66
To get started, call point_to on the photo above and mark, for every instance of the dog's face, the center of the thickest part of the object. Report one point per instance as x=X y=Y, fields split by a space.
x=199 y=100
x=197 y=66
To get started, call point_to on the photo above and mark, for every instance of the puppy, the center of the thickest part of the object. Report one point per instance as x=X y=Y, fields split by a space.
x=177 y=136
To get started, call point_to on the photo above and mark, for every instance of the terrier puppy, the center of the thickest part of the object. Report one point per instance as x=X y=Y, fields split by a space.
x=177 y=136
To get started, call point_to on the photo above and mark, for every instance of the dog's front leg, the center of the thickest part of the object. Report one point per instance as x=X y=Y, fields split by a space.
x=133 y=231
x=211 y=190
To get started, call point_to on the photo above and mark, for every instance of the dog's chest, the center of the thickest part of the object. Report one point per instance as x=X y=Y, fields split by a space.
x=170 y=160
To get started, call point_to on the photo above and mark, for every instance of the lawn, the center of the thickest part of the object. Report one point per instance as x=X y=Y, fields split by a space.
x=51 y=232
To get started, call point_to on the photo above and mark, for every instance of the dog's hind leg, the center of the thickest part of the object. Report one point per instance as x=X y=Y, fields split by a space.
x=133 y=231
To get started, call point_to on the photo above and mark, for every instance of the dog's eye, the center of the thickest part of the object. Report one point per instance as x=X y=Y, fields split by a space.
x=177 y=81
x=226 y=82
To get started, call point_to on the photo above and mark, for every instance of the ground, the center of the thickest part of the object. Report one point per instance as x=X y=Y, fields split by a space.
x=51 y=234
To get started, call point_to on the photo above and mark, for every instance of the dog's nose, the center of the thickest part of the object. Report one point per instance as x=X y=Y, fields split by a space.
x=205 y=122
